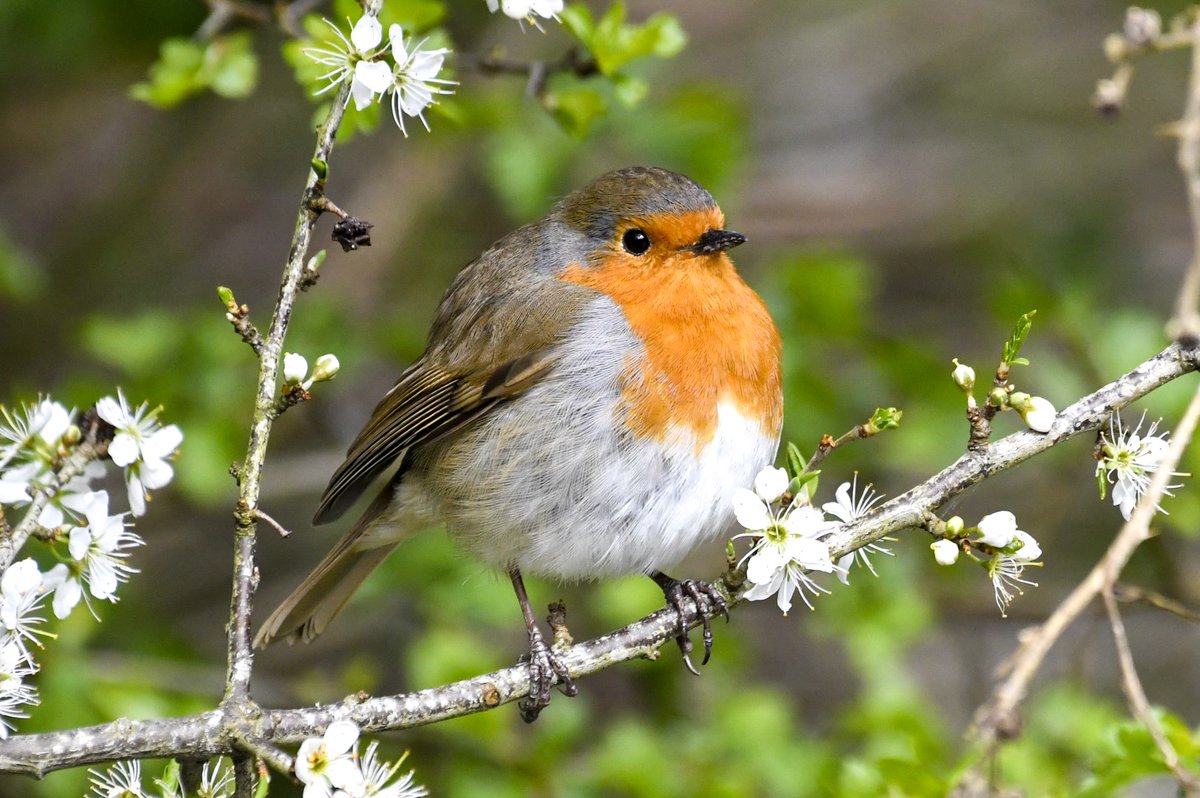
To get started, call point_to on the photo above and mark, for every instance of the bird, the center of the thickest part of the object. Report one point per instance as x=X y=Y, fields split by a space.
x=594 y=388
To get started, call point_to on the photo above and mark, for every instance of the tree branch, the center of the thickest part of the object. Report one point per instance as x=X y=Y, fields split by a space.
x=998 y=719
x=218 y=731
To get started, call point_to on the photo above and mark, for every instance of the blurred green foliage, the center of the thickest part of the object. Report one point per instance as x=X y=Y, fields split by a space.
x=649 y=730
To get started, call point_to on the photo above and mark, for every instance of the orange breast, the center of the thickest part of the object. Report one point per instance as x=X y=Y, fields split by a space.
x=708 y=339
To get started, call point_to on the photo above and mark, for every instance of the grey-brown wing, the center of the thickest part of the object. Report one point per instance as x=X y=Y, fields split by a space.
x=426 y=403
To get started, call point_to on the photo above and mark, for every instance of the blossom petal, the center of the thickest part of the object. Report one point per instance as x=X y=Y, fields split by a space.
x=765 y=564
x=66 y=596
x=750 y=510
x=997 y=529
x=124 y=449
x=340 y=737
x=770 y=483
x=112 y=411
x=396 y=37
x=162 y=443
x=366 y=34
x=155 y=474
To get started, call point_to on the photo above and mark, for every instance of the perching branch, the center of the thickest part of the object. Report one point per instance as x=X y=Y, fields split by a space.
x=220 y=730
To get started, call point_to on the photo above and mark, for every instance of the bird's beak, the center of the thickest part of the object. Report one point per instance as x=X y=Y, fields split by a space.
x=716 y=241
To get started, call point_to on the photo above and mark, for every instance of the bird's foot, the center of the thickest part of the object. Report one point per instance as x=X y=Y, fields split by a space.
x=544 y=668
x=677 y=591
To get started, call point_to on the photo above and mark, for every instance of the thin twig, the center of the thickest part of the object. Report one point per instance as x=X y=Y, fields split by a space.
x=998 y=718
x=1139 y=705
x=1186 y=322
x=537 y=73
x=278 y=527
x=1133 y=593
x=15 y=537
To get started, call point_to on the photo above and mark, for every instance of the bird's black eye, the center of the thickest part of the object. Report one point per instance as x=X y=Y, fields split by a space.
x=635 y=242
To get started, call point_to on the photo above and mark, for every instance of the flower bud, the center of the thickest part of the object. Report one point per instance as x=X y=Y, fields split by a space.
x=295 y=367
x=1019 y=400
x=963 y=376
x=326 y=368
x=1038 y=414
x=954 y=526
x=945 y=552
x=1142 y=25
x=998 y=397
x=1116 y=48
x=1109 y=96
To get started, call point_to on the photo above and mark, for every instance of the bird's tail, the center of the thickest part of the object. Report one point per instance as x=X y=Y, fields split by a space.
x=321 y=596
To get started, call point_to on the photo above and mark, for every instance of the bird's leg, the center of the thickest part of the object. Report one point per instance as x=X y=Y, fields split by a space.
x=676 y=592
x=544 y=664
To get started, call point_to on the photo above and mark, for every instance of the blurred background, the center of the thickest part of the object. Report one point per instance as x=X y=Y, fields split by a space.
x=912 y=176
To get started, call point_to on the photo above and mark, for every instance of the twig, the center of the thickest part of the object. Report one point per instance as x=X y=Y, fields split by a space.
x=245 y=574
x=1133 y=593
x=15 y=537
x=217 y=732
x=244 y=776
x=998 y=718
x=1139 y=705
x=278 y=527
x=538 y=73
x=1185 y=325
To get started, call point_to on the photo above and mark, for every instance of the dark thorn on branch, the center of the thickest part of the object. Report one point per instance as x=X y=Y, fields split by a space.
x=352 y=233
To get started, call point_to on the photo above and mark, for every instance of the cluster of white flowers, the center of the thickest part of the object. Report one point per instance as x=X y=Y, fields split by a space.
x=411 y=77
x=330 y=767
x=1006 y=552
x=124 y=780
x=35 y=439
x=527 y=10
x=1128 y=459
x=789 y=541
x=1037 y=412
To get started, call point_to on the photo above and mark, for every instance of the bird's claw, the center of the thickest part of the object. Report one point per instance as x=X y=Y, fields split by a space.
x=544 y=668
x=677 y=591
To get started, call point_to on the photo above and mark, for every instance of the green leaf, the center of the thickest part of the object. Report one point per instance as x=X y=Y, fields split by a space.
x=614 y=43
x=230 y=65
x=630 y=90
x=226 y=64
x=795 y=460
x=1012 y=347
x=172 y=77
x=576 y=107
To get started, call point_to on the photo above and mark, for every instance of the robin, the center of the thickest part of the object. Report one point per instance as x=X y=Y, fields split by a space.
x=595 y=386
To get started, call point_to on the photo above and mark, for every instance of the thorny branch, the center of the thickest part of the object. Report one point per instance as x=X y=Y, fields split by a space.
x=212 y=733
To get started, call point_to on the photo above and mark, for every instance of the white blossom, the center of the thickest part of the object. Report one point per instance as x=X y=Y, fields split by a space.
x=122 y=780
x=20 y=598
x=42 y=423
x=326 y=764
x=849 y=506
x=377 y=774
x=140 y=446
x=527 y=10
x=353 y=59
x=15 y=667
x=1006 y=573
x=98 y=550
x=786 y=544
x=415 y=79
x=945 y=552
x=1128 y=461
x=326 y=368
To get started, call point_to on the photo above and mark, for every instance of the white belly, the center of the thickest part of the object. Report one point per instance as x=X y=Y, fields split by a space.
x=554 y=484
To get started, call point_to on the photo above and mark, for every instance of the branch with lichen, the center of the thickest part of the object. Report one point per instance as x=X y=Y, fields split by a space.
x=227 y=728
